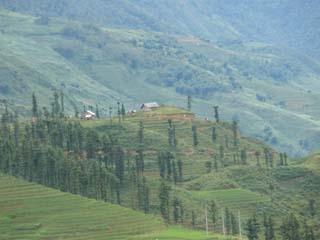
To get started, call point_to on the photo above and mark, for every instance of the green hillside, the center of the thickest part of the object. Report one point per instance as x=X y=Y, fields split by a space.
x=30 y=211
x=250 y=189
x=282 y=23
x=251 y=82
x=131 y=159
x=237 y=85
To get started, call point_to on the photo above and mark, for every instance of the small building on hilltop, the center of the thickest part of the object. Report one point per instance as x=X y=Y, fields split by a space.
x=149 y=106
x=88 y=115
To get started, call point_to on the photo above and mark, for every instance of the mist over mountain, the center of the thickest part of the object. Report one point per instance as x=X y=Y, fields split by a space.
x=285 y=23
x=200 y=119
x=258 y=60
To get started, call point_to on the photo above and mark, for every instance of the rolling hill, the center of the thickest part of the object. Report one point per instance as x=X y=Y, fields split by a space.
x=270 y=89
x=248 y=188
x=283 y=23
x=30 y=211
x=235 y=177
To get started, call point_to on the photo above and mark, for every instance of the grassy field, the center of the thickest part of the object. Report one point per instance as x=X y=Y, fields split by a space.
x=245 y=188
x=30 y=211
x=177 y=233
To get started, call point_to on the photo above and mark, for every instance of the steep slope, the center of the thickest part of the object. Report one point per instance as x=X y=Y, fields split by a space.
x=284 y=23
x=248 y=188
x=240 y=174
x=251 y=82
x=31 y=211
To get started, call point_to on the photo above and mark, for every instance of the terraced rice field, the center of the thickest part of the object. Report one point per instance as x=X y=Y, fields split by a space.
x=236 y=200
x=177 y=233
x=30 y=211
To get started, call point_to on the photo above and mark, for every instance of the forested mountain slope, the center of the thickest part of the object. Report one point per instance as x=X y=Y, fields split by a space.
x=164 y=162
x=285 y=23
x=270 y=90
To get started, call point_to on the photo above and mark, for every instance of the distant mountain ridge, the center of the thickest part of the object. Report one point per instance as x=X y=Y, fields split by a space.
x=285 y=23
x=99 y=52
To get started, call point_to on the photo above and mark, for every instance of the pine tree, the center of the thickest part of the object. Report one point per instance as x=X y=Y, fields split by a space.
x=215 y=164
x=120 y=165
x=146 y=193
x=271 y=163
x=175 y=141
x=170 y=133
x=216 y=113
x=227 y=220
x=257 y=155
x=176 y=210
x=213 y=134
x=110 y=114
x=234 y=225
x=213 y=213
x=141 y=134
x=253 y=228
x=189 y=101
x=46 y=113
x=56 y=105
x=281 y=163
x=123 y=111
x=140 y=156
x=235 y=133
x=97 y=111
x=140 y=161
x=193 y=219
x=168 y=162
x=35 y=113
x=195 y=135
x=175 y=173
x=221 y=154
x=290 y=228
x=164 y=196
x=208 y=166
x=76 y=112
x=119 y=112
x=266 y=156
x=243 y=156
x=162 y=165
x=180 y=169
x=62 y=104
x=16 y=131
x=285 y=159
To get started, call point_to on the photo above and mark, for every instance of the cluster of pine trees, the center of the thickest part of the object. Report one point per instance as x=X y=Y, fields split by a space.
x=290 y=229
x=60 y=153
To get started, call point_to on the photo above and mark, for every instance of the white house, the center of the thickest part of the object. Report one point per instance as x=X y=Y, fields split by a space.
x=149 y=106
x=88 y=115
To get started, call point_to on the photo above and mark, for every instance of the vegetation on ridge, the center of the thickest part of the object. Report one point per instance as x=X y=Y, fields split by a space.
x=164 y=162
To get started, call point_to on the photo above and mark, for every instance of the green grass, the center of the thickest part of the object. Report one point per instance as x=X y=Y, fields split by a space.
x=181 y=234
x=235 y=199
x=245 y=188
x=30 y=211
x=240 y=188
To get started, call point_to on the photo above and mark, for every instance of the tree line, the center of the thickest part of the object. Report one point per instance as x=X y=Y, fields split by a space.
x=62 y=154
